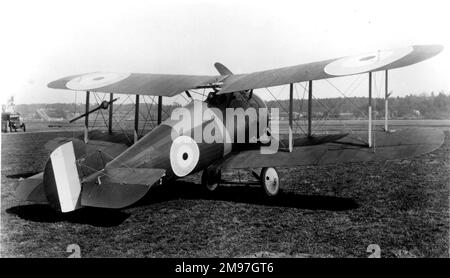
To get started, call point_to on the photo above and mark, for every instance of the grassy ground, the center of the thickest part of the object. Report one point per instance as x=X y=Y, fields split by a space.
x=328 y=211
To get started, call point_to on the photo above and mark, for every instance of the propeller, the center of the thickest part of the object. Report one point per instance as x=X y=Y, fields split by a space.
x=104 y=105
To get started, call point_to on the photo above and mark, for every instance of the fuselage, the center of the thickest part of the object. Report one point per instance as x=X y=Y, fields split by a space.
x=183 y=151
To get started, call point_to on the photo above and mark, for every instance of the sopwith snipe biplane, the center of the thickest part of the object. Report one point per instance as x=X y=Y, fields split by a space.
x=103 y=171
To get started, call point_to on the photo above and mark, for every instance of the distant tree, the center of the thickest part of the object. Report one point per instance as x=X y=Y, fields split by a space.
x=435 y=105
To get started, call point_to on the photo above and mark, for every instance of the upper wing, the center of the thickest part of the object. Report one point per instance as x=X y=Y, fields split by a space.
x=170 y=85
x=397 y=145
x=376 y=61
x=133 y=83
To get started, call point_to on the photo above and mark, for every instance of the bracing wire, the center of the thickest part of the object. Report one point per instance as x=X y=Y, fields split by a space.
x=327 y=109
x=364 y=113
x=300 y=103
x=96 y=114
x=100 y=111
x=378 y=92
x=149 y=115
x=282 y=107
x=117 y=122
x=75 y=113
x=163 y=110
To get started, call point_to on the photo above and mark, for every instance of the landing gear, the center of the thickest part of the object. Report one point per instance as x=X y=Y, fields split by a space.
x=270 y=181
x=211 y=179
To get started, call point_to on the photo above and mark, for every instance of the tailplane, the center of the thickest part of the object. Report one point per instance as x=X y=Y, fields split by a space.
x=75 y=176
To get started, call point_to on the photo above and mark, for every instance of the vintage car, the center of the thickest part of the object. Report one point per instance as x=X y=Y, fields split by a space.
x=13 y=121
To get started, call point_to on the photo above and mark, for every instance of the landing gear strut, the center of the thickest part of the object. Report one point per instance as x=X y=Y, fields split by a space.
x=211 y=179
x=270 y=181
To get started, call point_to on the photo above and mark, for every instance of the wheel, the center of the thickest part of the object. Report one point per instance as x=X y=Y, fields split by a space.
x=270 y=181
x=209 y=181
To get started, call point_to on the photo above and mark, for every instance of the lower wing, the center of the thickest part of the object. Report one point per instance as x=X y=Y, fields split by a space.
x=395 y=145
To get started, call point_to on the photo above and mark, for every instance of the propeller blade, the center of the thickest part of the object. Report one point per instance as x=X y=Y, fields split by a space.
x=104 y=105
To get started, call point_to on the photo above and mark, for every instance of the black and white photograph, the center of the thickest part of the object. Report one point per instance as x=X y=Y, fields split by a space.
x=262 y=130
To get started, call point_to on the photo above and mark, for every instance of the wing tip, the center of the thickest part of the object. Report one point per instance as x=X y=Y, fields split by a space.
x=430 y=50
x=54 y=84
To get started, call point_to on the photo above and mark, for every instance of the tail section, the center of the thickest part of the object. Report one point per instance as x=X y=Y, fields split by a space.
x=32 y=189
x=61 y=180
x=75 y=176
x=119 y=187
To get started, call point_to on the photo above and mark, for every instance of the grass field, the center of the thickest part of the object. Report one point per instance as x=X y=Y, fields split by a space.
x=327 y=211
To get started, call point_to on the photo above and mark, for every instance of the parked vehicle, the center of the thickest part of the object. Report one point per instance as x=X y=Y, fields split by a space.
x=12 y=121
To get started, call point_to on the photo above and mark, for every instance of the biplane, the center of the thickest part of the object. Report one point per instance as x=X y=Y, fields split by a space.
x=97 y=171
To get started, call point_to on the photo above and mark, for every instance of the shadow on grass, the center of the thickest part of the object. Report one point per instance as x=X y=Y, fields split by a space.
x=23 y=175
x=188 y=191
x=248 y=195
x=91 y=216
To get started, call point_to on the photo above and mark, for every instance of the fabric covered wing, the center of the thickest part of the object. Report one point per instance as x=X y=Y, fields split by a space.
x=134 y=83
x=170 y=85
x=376 y=61
x=397 y=145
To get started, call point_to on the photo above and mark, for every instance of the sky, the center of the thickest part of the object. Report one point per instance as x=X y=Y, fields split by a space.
x=45 y=40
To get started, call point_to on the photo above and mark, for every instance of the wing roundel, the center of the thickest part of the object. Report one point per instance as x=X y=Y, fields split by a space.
x=369 y=62
x=171 y=84
x=133 y=83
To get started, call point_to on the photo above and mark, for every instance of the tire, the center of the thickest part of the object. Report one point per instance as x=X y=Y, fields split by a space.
x=210 y=182
x=270 y=181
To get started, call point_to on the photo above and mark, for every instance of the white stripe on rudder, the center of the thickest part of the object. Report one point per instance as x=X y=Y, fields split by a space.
x=66 y=177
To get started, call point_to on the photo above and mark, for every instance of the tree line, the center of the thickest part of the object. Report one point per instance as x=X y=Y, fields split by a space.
x=433 y=106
